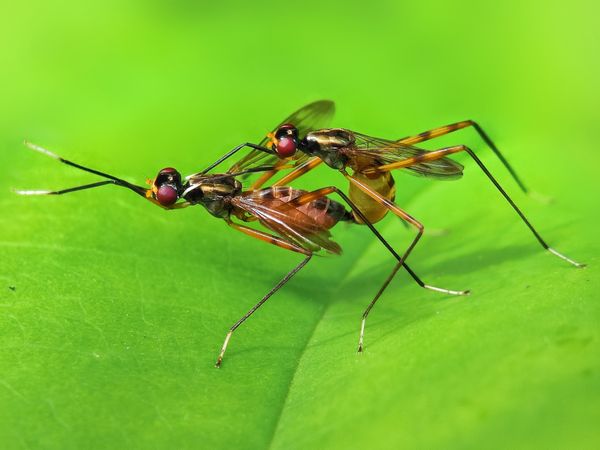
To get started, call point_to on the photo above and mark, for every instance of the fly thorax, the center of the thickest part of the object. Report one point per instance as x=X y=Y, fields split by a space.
x=329 y=145
x=214 y=192
x=221 y=186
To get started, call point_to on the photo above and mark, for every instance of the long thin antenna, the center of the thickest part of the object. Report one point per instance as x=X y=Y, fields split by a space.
x=118 y=181
x=42 y=150
x=31 y=192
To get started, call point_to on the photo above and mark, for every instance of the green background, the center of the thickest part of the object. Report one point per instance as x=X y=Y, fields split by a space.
x=119 y=308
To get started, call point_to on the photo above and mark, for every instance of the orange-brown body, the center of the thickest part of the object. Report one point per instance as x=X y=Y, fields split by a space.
x=382 y=183
x=324 y=211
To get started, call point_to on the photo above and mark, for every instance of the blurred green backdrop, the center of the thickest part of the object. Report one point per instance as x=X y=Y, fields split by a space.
x=118 y=309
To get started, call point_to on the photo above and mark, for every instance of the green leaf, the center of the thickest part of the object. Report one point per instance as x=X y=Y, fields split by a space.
x=112 y=311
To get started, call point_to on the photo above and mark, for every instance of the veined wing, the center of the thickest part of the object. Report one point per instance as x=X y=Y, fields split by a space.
x=311 y=117
x=288 y=222
x=385 y=151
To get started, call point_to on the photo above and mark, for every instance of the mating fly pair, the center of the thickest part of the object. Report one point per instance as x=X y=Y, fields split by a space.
x=298 y=220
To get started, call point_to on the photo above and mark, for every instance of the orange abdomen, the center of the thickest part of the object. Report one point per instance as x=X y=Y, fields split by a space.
x=383 y=184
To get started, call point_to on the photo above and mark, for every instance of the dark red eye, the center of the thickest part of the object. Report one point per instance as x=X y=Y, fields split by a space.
x=166 y=195
x=286 y=146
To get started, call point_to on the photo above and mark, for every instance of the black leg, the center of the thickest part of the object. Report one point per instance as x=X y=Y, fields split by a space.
x=518 y=211
x=442 y=131
x=368 y=310
x=401 y=261
x=441 y=153
x=283 y=281
x=500 y=156
x=234 y=151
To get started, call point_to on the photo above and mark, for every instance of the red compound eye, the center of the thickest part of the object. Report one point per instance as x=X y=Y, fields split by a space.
x=166 y=195
x=286 y=147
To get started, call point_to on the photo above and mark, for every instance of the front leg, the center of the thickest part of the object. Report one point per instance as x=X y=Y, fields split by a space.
x=234 y=151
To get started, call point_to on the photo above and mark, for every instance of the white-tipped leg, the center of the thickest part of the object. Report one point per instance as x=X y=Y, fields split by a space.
x=37 y=148
x=284 y=280
x=220 y=358
x=32 y=192
x=569 y=260
x=362 y=335
x=447 y=291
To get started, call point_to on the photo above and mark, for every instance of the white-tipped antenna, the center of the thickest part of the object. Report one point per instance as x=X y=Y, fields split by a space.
x=31 y=192
x=37 y=148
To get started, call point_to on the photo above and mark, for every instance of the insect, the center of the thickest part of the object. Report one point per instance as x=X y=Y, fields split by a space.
x=300 y=141
x=297 y=220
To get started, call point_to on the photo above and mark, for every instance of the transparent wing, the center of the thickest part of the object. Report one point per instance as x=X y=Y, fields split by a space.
x=311 y=117
x=288 y=222
x=384 y=151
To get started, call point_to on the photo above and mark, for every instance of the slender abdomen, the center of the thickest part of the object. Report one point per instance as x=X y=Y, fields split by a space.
x=383 y=184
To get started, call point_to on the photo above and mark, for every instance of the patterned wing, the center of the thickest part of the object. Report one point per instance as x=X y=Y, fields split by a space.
x=311 y=117
x=384 y=151
x=288 y=222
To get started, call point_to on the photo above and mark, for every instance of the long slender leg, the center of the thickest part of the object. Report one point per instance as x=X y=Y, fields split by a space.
x=401 y=214
x=437 y=154
x=271 y=239
x=299 y=171
x=441 y=131
x=275 y=241
x=268 y=175
x=316 y=161
x=296 y=173
x=308 y=197
x=314 y=195
x=328 y=190
x=368 y=310
x=283 y=281
x=234 y=150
